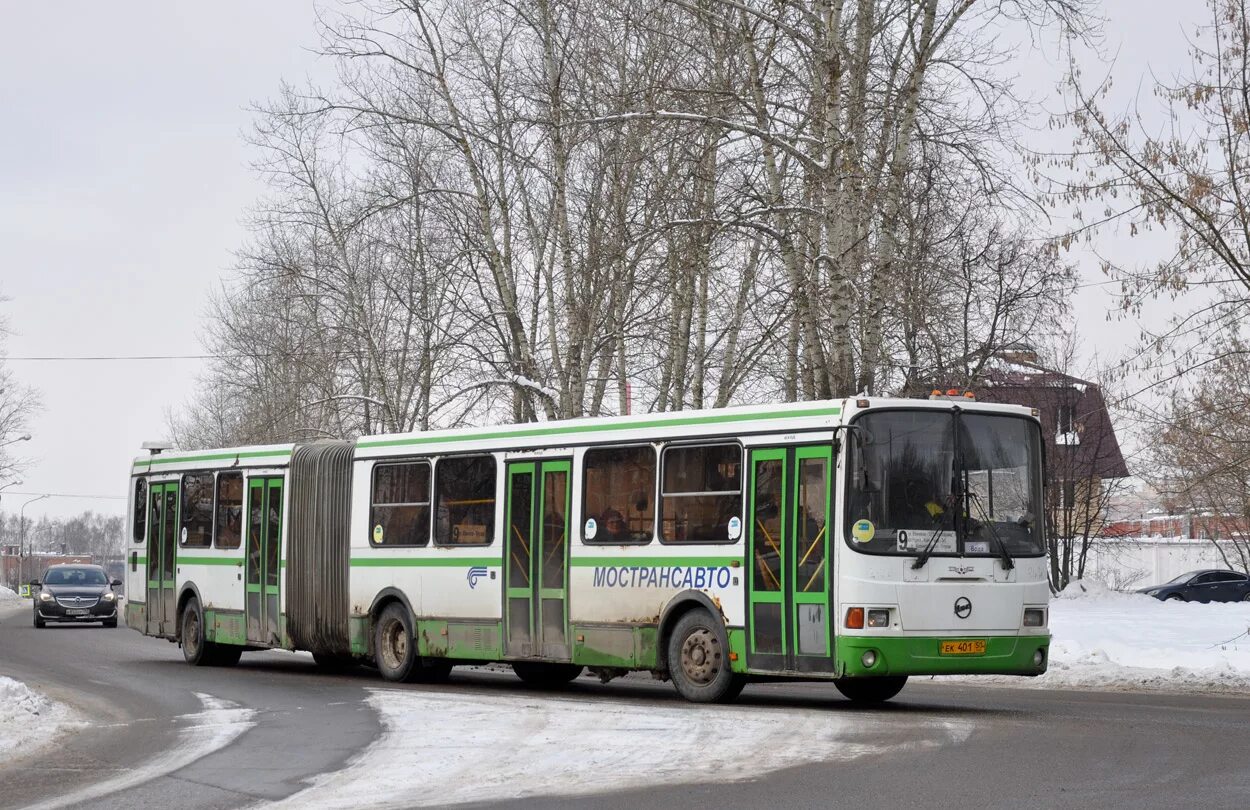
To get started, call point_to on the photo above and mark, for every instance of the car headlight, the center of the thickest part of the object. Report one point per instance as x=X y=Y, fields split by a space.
x=109 y=596
x=44 y=596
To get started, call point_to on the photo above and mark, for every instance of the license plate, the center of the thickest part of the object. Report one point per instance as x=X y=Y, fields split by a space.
x=76 y=611
x=974 y=646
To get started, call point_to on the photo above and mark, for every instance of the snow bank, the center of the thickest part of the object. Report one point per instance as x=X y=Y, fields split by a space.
x=1091 y=589
x=1105 y=639
x=8 y=595
x=24 y=713
x=433 y=746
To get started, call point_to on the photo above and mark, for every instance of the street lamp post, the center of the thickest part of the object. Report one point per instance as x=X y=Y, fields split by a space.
x=25 y=437
x=23 y=572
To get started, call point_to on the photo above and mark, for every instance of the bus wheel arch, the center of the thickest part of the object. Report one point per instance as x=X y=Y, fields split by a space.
x=188 y=592
x=384 y=597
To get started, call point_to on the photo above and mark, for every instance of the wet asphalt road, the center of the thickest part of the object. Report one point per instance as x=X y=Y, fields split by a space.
x=1027 y=747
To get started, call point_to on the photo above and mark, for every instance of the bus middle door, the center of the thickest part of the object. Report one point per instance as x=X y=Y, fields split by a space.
x=789 y=626
x=536 y=568
x=162 y=548
x=262 y=564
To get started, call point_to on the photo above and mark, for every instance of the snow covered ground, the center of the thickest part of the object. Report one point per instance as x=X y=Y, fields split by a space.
x=1102 y=640
x=1127 y=641
x=7 y=595
x=433 y=746
x=26 y=716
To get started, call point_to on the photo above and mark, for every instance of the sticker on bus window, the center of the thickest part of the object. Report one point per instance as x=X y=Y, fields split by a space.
x=377 y=534
x=863 y=531
x=184 y=535
x=592 y=528
x=735 y=528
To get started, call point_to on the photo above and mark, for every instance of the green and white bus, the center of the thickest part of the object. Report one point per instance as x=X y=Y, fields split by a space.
x=858 y=541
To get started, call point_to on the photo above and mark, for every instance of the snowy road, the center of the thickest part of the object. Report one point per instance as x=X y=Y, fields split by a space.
x=304 y=739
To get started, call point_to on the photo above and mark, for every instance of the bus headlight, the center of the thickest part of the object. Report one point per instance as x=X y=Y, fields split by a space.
x=1039 y=658
x=868 y=659
x=1034 y=617
x=878 y=618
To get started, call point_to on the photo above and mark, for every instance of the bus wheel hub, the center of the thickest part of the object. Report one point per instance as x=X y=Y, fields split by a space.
x=700 y=660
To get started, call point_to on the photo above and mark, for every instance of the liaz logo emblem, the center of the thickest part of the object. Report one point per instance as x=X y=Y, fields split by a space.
x=963 y=607
x=960 y=569
x=475 y=573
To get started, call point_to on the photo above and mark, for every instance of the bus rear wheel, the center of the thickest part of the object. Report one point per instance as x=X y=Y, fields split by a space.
x=395 y=648
x=546 y=676
x=698 y=660
x=871 y=690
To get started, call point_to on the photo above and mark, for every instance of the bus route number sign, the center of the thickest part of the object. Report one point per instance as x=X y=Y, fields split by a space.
x=974 y=646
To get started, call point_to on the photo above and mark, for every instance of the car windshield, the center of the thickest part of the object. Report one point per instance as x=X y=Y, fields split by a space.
x=75 y=576
x=955 y=482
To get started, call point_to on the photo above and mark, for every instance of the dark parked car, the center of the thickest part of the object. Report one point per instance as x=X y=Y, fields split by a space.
x=75 y=593
x=1204 y=586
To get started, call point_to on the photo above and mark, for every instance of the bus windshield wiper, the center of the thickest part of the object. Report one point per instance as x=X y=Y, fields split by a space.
x=929 y=545
x=1005 y=555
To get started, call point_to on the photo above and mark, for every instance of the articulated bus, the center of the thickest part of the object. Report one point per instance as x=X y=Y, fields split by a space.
x=858 y=541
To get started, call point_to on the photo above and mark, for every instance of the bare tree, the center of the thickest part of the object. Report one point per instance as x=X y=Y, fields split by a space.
x=1188 y=178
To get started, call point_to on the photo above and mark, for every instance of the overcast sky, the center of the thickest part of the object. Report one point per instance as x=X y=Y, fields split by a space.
x=123 y=185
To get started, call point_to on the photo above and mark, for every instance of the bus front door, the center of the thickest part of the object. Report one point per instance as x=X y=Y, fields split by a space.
x=789 y=625
x=264 y=539
x=536 y=569
x=162 y=548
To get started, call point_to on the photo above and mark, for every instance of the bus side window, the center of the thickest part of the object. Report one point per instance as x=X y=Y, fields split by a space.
x=197 y=510
x=399 y=513
x=141 y=510
x=701 y=493
x=464 y=501
x=619 y=495
x=228 y=527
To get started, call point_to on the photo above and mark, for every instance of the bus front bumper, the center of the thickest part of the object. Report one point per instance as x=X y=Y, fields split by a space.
x=922 y=655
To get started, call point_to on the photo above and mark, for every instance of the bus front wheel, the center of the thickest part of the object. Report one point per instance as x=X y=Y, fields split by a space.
x=871 y=690
x=698 y=660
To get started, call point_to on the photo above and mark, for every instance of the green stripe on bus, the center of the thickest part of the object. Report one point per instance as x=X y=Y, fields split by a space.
x=653 y=562
x=420 y=562
x=163 y=459
x=209 y=560
x=599 y=428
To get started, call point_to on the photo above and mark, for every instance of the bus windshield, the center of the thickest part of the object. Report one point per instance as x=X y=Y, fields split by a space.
x=950 y=482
